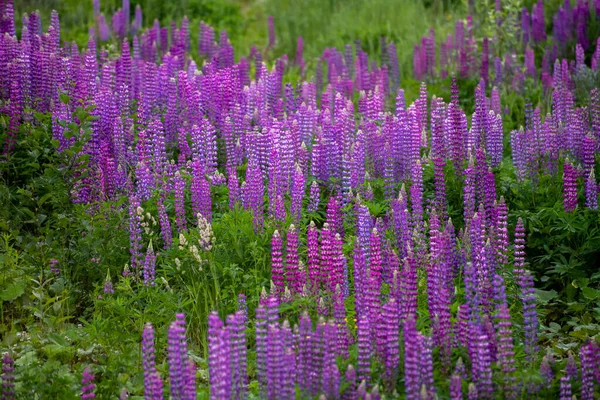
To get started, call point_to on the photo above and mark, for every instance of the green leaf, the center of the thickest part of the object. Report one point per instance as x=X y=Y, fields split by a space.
x=544 y=296
x=590 y=294
x=13 y=291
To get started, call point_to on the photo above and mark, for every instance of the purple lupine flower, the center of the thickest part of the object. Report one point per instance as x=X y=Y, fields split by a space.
x=589 y=367
x=179 y=371
x=54 y=266
x=326 y=256
x=569 y=187
x=391 y=322
x=519 y=250
x=409 y=288
x=339 y=314
x=8 y=377
x=505 y=351
x=312 y=244
x=501 y=242
x=135 y=230
x=546 y=371
x=297 y=193
x=87 y=384
x=180 y=202
x=149 y=266
x=363 y=370
x=412 y=372
x=152 y=390
x=165 y=224
x=456 y=392
x=236 y=323
x=441 y=205
x=271 y=26
x=571 y=371
x=291 y=261
x=565 y=388
x=277 y=263
x=219 y=360
x=108 y=286
x=330 y=377
x=350 y=379
x=591 y=191
x=314 y=197
x=530 y=322
x=426 y=366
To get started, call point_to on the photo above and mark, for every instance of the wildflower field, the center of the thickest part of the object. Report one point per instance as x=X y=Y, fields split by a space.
x=240 y=199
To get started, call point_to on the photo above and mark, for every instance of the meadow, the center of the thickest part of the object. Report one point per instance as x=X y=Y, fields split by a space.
x=285 y=199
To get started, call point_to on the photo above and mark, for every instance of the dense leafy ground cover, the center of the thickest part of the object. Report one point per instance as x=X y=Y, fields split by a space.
x=347 y=211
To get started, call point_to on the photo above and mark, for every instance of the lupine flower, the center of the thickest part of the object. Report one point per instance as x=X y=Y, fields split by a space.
x=591 y=191
x=179 y=367
x=149 y=266
x=87 y=384
x=8 y=378
x=569 y=187
x=277 y=263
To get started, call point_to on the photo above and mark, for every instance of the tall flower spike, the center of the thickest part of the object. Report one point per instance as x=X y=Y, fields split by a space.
x=8 y=377
x=364 y=350
x=591 y=191
x=291 y=261
x=151 y=390
x=412 y=375
x=277 y=263
x=569 y=187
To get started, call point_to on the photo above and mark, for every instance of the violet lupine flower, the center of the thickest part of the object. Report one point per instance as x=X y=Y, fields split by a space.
x=277 y=263
x=330 y=377
x=261 y=346
x=339 y=315
x=412 y=373
x=54 y=266
x=135 y=230
x=152 y=386
x=546 y=371
x=350 y=379
x=200 y=191
x=519 y=250
x=234 y=188
x=365 y=350
x=149 y=266
x=591 y=191
x=569 y=187
x=87 y=384
x=409 y=288
x=179 y=371
x=8 y=377
x=326 y=256
x=441 y=205
x=565 y=388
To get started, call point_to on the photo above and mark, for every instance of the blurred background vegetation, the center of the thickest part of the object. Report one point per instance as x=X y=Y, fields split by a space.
x=321 y=23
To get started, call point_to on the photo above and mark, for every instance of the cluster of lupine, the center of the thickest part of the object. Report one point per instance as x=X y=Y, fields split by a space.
x=153 y=101
x=462 y=54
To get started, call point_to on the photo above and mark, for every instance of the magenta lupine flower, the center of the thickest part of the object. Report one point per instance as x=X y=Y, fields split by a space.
x=591 y=191
x=87 y=384
x=291 y=261
x=200 y=191
x=569 y=187
x=149 y=266
x=277 y=263
x=8 y=377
